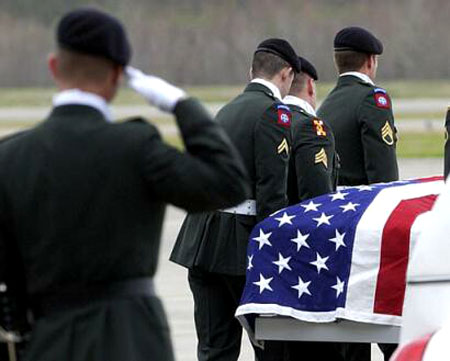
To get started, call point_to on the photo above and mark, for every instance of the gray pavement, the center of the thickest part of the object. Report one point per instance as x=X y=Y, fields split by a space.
x=172 y=283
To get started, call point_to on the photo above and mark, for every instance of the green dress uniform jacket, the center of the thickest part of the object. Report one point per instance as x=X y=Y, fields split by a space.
x=82 y=203
x=447 y=145
x=314 y=164
x=217 y=242
x=361 y=117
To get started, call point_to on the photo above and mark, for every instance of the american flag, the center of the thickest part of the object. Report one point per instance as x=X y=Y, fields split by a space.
x=342 y=255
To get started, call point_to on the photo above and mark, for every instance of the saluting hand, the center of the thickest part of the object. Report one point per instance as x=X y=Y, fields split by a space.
x=155 y=90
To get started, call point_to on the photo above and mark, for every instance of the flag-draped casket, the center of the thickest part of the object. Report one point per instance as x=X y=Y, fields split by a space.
x=342 y=255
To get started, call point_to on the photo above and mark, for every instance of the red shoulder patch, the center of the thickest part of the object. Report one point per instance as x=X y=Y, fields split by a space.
x=284 y=116
x=381 y=98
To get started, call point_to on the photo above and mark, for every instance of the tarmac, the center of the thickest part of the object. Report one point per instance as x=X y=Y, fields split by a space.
x=173 y=288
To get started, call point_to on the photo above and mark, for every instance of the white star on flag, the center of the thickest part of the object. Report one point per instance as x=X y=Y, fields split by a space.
x=320 y=262
x=311 y=206
x=337 y=196
x=338 y=240
x=282 y=263
x=250 y=264
x=263 y=239
x=285 y=219
x=339 y=287
x=349 y=207
x=300 y=240
x=323 y=219
x=263 y=283
x=364 y=188
x=302 y=287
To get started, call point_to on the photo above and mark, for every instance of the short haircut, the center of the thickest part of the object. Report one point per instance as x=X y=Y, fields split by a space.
x=299 y=83
x=77 y=66
x=267 y=65
x=349 y=60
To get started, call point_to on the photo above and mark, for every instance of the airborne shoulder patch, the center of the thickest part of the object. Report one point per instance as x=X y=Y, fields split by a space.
x=284 y=116
x=319 y=127
x=381 y=98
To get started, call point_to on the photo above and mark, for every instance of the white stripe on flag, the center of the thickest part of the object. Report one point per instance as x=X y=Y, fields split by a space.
x=367 y=244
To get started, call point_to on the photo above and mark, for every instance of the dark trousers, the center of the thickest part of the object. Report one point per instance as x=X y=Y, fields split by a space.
x=362 y=351
x=219 y=333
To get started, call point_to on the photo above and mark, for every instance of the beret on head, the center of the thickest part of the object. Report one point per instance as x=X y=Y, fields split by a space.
x=93 y=32
x=308 y=68
x=281 y=48
x=357 y=39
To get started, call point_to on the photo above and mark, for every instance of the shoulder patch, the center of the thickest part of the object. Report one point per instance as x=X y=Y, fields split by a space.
x=284 y=116
x=319 y=127
x=321 y=158
x=387 y=134
x=381 y=98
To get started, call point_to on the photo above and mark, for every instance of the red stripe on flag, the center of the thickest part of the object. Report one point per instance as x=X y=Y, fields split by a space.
x=431 y=179
x=391 y=282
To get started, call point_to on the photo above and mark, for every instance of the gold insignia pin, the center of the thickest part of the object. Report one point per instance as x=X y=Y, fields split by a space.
x=283 y=147
x=387 y=134
x=321 y=157
x=318 y=124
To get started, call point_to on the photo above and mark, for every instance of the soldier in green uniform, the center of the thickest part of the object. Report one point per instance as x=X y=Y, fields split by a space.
x=213 y=246
x=314 y=163
x=447 y=145
x=360 y=113
x=82 y=200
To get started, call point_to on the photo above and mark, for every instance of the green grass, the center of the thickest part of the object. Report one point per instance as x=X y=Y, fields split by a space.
x=421 y=145
x=16 y=97
x=410 y=145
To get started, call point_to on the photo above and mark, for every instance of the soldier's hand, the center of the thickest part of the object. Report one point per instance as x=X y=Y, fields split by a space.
x=155 y=90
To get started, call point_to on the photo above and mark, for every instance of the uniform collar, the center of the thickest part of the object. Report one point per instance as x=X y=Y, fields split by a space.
x=303 y=104
x=365 y=78
x=80 y=97
x=272 y=87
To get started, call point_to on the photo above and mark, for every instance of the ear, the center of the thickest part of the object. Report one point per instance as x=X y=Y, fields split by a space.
x=52 y=63
x=287 y=73
x=372 y=61
x=311 y=86
x=250 y=73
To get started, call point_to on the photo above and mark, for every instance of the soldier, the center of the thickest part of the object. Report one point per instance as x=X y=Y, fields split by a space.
x=360 y=113
x=82 y=200
x=447 y=145
x=314 y=164
x=213 y=246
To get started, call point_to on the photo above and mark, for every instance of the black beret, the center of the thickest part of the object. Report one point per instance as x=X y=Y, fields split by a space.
x=357 y=39
x=308 y=68
x=281 y=48
x=94 y=32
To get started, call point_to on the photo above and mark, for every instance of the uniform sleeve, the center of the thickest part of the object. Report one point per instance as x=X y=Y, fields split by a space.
x=272 y=143
x=378 y=137
x=314 y=157
x=207 y=176
x=447 y=145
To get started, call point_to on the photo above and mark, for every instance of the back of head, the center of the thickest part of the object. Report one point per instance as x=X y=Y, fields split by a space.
x=91 y=44
x=352 y=47
x=300 y=79
x=273 y=55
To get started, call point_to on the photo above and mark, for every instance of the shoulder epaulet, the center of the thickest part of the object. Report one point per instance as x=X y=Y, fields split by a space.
x=381 y=98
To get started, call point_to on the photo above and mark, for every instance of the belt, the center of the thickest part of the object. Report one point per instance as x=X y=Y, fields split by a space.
x=74 y=297
x=247 y=208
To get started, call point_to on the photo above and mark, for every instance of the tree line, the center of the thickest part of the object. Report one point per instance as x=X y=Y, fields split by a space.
x=212 y=42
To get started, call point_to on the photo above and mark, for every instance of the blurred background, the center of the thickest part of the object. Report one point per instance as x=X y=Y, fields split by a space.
x=199 y=42
x=207 y=46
